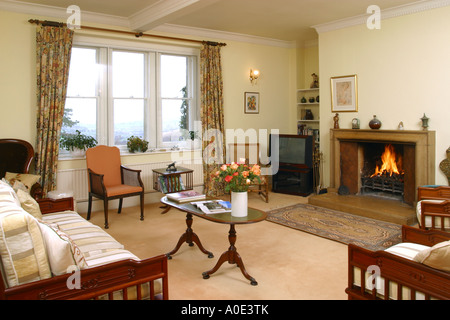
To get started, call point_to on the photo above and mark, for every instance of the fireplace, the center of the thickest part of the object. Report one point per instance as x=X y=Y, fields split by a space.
x=382 y=172
x=384 y=163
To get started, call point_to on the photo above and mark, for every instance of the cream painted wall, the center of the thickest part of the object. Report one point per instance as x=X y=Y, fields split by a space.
x=276 y=85
x=18 y=78
x=403 y=72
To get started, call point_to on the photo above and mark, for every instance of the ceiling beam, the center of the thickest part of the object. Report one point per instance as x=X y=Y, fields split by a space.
x=163 y=12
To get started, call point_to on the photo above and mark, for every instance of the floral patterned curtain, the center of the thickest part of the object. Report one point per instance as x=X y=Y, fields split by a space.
x=53 y=50
x=212 y=116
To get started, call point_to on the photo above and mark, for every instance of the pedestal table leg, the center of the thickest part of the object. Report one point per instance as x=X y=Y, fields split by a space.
x=232 y=256
x=190 y=238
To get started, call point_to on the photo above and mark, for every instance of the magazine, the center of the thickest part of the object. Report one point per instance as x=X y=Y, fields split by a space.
x=213 y=206
x=185 y=196
x=170 y=184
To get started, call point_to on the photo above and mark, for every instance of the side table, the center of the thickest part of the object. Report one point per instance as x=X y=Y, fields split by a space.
x=172 y=181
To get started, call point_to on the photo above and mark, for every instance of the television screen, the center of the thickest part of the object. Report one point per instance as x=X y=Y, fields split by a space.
x=291 y=149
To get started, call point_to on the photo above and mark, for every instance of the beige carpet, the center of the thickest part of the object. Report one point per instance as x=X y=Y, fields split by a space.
x=288 y=264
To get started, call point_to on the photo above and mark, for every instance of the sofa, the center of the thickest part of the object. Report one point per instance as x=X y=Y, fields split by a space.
x=418 y=268
x=48 y=251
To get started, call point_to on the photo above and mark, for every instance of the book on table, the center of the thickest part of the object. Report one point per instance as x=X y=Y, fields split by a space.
x=185 y=196
x=213 y=206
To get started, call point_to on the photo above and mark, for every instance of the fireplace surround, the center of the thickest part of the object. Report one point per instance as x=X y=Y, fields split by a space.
x=418 y=148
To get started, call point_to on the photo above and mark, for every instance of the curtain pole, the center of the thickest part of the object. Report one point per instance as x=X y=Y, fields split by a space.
x=136 y=34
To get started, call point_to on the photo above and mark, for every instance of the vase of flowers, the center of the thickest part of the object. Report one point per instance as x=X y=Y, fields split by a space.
x=237 y=177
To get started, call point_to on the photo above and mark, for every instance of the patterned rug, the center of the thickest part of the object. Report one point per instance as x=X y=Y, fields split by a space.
x=338 y=226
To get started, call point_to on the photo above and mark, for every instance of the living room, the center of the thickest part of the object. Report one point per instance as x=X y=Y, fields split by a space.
x=402 y=73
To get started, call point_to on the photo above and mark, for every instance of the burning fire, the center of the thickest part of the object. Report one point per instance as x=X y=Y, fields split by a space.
x=389 y=163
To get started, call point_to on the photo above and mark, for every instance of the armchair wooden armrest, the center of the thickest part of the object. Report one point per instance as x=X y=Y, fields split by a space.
x=95 y=282
x=131 y=177
x=96 y=183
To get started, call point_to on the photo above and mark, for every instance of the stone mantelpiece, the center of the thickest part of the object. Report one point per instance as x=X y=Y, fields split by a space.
x=422 y=143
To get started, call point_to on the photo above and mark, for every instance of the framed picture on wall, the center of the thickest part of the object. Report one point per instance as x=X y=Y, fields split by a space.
x=344 y=94
x=251 y=101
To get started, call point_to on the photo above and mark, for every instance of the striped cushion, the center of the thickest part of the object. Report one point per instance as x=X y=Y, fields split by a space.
x=91 y=239
x=406 y=250
x=108 y=256
x=22 y=248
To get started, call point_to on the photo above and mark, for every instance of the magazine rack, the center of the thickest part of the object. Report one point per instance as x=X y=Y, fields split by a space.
x=172 y=181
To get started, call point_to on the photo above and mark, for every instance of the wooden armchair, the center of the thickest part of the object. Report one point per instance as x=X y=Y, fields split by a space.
x=16 y=156
x=433 y=207
x=109 y=180
x=250 y=152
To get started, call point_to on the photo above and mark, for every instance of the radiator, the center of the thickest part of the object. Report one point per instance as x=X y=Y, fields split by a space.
x=76 y=180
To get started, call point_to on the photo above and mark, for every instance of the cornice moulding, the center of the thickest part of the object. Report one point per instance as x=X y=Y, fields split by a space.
x=222 y=35
x=385 y=14
x=61 y=15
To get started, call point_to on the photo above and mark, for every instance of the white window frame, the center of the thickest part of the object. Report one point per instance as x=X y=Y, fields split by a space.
x=152 y=113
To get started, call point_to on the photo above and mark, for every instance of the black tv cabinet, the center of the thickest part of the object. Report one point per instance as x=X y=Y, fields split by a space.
x=292 y=179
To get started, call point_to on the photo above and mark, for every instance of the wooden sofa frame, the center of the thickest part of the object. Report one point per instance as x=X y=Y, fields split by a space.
x=417 y=277
x=94 y=282
x=437 y=211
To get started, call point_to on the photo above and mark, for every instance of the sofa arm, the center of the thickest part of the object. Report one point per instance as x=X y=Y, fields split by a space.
x=96 y=282
x=48 y=205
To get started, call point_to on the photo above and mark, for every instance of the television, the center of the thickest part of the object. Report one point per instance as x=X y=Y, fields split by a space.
x=292 y=150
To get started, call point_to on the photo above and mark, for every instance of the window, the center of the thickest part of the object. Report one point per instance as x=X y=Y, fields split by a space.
x=115 y=93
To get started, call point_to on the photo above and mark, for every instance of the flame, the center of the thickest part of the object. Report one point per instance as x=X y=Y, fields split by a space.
x=389 y=163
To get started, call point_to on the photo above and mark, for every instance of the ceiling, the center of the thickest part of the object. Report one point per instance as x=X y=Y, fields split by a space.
x=286 y=20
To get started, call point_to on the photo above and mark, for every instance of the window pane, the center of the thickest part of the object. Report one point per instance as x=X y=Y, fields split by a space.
x=171 y=119
x=128 y=119
x=83 y=73
x=173 y=76
x=80 y=114
x=128 y=74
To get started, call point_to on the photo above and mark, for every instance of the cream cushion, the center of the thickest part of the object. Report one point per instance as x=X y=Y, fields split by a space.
x=29 y=204
x=438 y=256
x=27 y=179
x=22 y=248
x=7 y=193
x=62 y=252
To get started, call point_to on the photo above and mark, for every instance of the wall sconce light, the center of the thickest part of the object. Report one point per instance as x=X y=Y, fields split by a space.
x=254 y=74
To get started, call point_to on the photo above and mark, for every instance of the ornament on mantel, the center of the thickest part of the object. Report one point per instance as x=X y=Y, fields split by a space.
x=425 y=122
x=375 y=123
x=336 y=121
x=401 y=126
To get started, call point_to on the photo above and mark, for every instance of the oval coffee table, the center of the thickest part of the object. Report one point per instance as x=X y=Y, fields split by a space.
x=231 y=255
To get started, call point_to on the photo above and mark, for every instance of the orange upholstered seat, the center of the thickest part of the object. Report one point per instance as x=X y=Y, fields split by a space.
x=108 y=179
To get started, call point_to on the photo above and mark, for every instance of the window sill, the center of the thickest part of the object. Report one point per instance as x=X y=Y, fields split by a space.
x=69 y=157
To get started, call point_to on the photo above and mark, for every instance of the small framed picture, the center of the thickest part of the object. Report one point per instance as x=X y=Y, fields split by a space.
x=344 y=94
x=251 y=101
